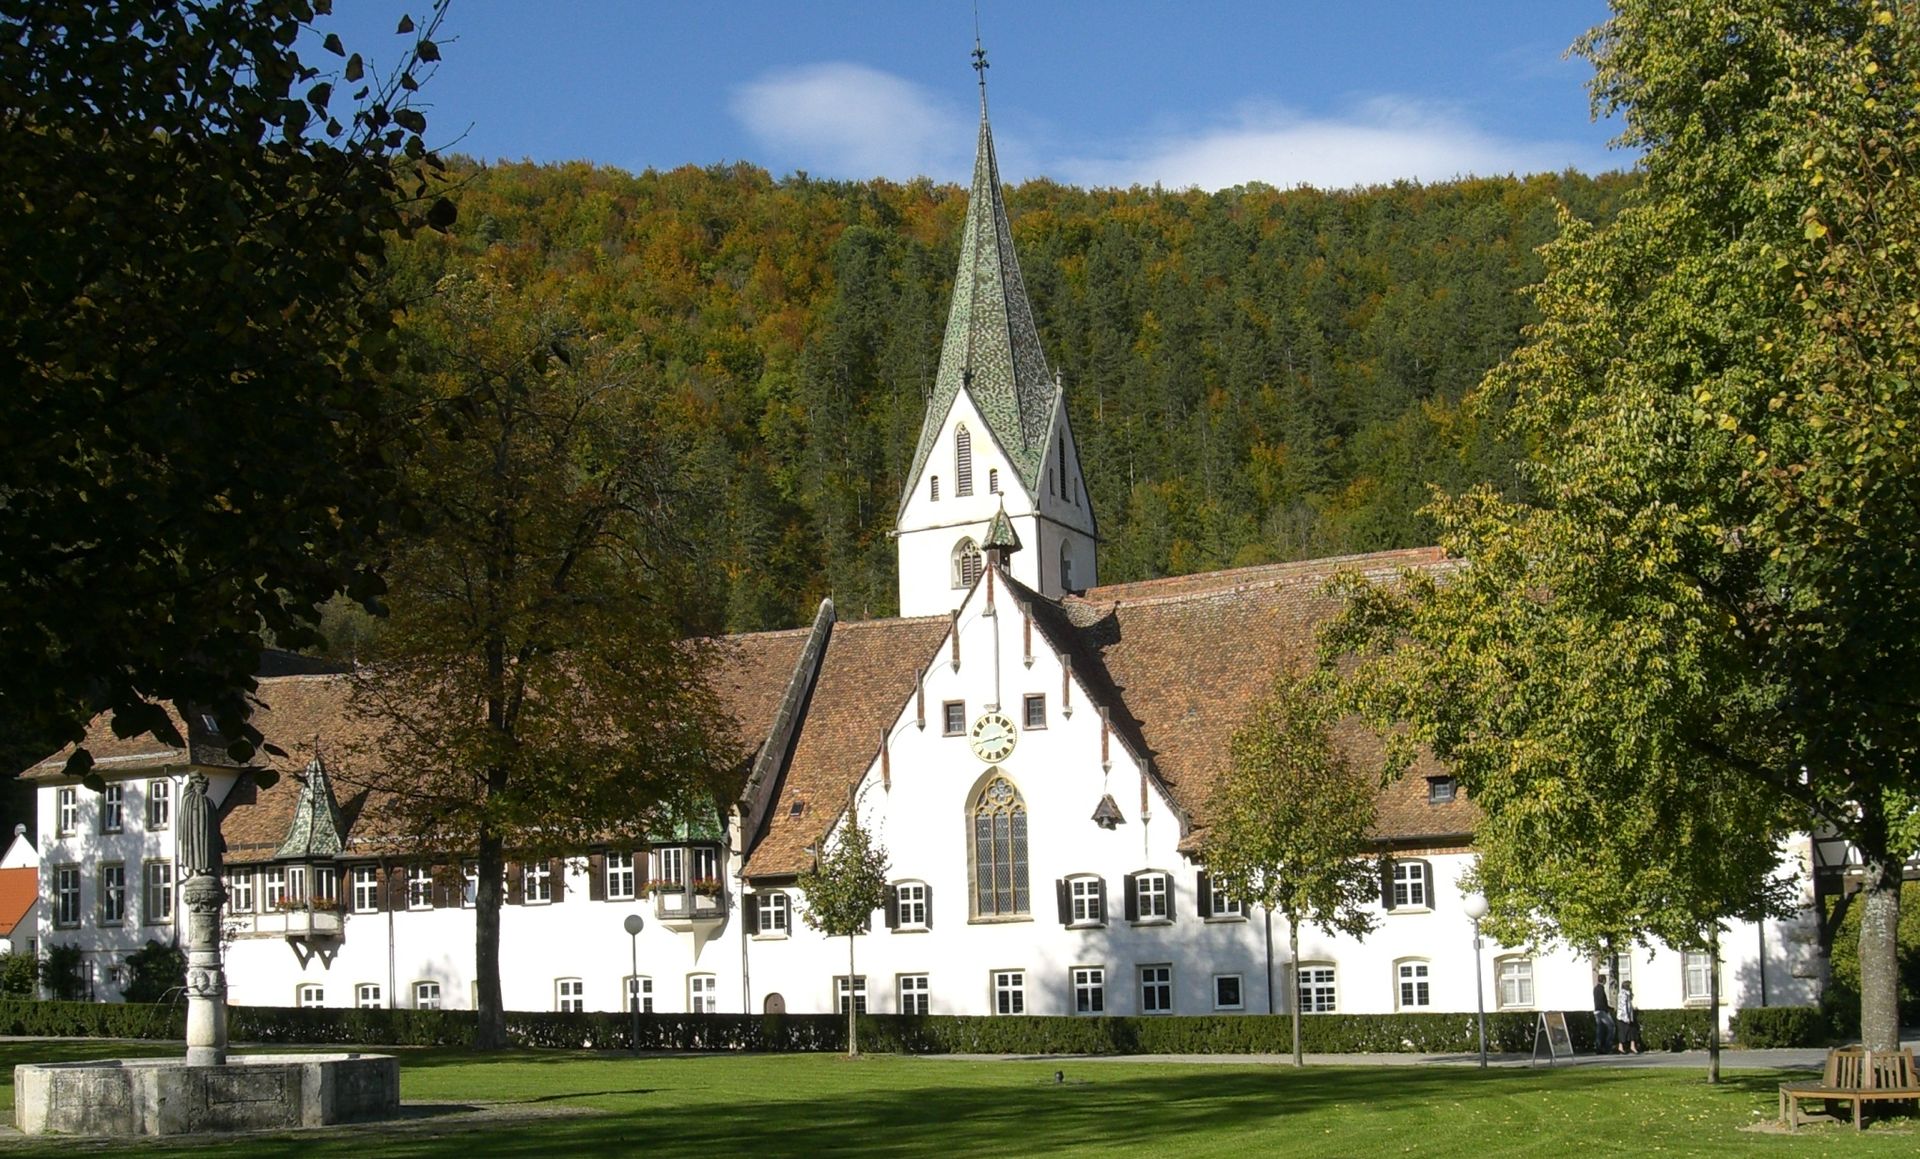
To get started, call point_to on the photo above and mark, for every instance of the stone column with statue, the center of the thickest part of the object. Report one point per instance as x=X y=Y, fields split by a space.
x=204 y=898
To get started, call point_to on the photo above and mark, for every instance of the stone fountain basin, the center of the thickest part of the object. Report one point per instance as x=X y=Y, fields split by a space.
x=162 y=1096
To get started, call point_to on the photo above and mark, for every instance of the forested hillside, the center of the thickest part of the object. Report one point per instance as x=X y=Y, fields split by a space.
x=1254 y=375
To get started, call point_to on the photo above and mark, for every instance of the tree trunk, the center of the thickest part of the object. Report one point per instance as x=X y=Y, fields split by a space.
x=1293 y=971
x=1270 y=1005
x=1713 y=1002
x=1879 y=953
x=490 y=1029
x=853 y=1032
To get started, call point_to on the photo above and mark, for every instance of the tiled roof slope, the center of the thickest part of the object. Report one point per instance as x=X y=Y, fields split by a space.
x=19 y=889
x=1189 y=656
x=992 y=348
x=866 y=675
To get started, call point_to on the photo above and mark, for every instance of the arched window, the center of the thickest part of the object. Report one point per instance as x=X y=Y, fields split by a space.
x=933 y=488
x=1066 y=568
x=1000 y=851
x=962 y=461
x=966 y=563
x=993 y=480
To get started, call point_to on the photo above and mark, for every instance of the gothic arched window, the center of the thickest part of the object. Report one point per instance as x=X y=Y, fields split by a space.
x=966 y=563
x=1000 y=851
x=962 y=460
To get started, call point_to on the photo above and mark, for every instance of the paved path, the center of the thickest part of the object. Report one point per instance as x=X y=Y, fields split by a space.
x=1785 y=1059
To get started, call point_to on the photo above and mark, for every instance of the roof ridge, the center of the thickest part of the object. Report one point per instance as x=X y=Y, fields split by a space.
x=1254 y=576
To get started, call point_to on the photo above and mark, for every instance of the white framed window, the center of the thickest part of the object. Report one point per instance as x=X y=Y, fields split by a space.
x=326 y=884
x=240 y=891
x=1009 y=992
x=670 y=867
x=426 y=995
x=1515 y=982
x=1220 y=899
x=775 y=913
x=1696 y=968
x=859 y=993
x=1409 y=885
x=366 y=889
x=1000 y=851
x=366 y=996
x=1034 y=707
x=1227 y=994
x=66 y=895
x=1317 y=991
x=913 y=994
x=1086 y=901
x=419 y=887
x=536 y=880
x=158 y=901
x=67 y=820
x=113 y=808
x=273 y=888
x=1156 y=989
x=703 y=994
x=470 y=884
x=966 y=563
x=620 y=876
x=911 y=899
x=1412 y=984
x=705 y=865
x=1151 y=900
x=113 y=894
x=159 y=803
x=639 y=993
x=569 y=995
x=962 y=460
x=309 y=994
x=1089 y=989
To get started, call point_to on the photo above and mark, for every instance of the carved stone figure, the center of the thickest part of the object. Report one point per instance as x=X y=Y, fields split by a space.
x=199 y=836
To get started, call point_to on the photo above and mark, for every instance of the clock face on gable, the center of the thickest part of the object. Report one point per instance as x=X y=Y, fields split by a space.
x=992 y=737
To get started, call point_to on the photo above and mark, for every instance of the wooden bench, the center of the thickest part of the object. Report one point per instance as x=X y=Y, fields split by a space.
x=1853 y=1076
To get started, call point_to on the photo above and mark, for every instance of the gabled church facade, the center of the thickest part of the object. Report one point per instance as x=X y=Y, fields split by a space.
x=1035 y=750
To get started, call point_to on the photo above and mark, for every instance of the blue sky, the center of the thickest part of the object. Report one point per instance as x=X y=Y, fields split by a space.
x=1124 y=92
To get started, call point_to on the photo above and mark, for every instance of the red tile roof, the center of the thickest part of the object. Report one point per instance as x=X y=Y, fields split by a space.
x=19 y=889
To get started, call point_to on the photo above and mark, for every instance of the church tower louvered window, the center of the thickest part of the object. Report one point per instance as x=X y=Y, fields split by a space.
x=962 y=460
x=966 y=563
x=1000 y=851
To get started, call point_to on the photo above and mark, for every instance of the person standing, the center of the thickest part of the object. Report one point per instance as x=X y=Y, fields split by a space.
x=1602 y=1017
x=1626 y=1022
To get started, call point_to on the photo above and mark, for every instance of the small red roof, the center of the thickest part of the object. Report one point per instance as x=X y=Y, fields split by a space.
x=19 y=889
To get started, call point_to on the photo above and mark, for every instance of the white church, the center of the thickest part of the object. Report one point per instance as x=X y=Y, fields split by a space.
x=1034 y=749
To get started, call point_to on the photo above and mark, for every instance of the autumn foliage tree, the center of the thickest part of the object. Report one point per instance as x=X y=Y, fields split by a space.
x=1290 y=820
x=845 y=886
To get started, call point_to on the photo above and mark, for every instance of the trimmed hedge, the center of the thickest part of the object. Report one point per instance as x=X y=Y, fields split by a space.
x=935 y=1034
x=1759 y=1027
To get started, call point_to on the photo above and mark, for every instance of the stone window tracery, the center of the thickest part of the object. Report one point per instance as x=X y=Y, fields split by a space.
x=1000 y=851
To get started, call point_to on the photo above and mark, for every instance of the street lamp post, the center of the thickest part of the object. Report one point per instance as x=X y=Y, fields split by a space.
x=634 y=924
x=1476 y=908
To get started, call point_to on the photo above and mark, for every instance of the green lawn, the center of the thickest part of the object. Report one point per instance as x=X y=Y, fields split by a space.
x=564 y=1104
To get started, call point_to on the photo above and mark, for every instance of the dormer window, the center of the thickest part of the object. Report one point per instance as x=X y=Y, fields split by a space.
x=1440 y=790
x=962 y=460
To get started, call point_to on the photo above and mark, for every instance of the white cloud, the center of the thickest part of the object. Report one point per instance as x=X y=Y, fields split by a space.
x=1382 y=140
x=848 y=120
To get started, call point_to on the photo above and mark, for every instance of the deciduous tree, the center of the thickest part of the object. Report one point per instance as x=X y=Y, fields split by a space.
x=845 y=886
x=1290 y=821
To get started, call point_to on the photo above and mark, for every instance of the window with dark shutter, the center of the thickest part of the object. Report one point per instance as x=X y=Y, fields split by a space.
x=750 y=911
x=1204 y=890
x=893 y=908
x=1066 y=902
x=1386 y=883
x=1133 y=897
x=596 y=877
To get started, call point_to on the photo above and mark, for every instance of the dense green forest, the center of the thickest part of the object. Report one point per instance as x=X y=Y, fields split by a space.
x=1254 y=374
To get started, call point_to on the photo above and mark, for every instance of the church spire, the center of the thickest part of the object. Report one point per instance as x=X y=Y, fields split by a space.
x=992 y=348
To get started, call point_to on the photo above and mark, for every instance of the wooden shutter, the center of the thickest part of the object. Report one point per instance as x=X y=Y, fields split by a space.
x=926 y=891
x=446 y=894
x=1204 y=891
x=596 y=877
x=1172 y=892
x=1386 y=882
x=396 y=890
x=893 y=907
x=516 y=883
x=750 y=912
x=1133 y=898
x=557 y=879
x=1426 y=871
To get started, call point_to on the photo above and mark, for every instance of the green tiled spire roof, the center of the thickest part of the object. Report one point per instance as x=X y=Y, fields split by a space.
x=992 y=350
x=1000 y=532
x=314 y=831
